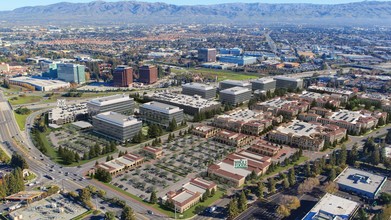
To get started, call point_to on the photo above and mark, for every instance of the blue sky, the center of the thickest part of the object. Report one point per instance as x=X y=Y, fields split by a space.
x=12 y=4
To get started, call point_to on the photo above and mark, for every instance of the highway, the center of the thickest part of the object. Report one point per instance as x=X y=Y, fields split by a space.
x=41 y=165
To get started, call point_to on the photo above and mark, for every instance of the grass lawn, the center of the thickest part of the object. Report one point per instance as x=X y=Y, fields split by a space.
x=30 y=177
x=170 y=213
x=25 y=100
x=279 y=169
x=221 y=74
x=82 y=216
x=3 y=156
x=21 y=120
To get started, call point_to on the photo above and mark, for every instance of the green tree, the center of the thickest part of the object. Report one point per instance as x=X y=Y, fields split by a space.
x=109 y=215
x=361 y=214
x=18 y=161
x=128 y=214
x=242 y=202
x=153 y=198
x=259 y=190
x=385 y=198
x=332 y=174
x=172 y=125
x=85 y=195
x=272 y=185
x=342 y=155
x=103 y=175
x=292 y=177
x=233 y=210
x=353 y=155
x=286 y=183
x=375 y=157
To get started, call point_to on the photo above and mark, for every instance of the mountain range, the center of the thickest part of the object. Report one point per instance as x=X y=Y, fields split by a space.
x=134 y=12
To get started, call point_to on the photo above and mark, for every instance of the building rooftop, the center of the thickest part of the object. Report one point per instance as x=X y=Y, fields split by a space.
x=331 y=206
x=263 y=80
x=287 y=78
x=161 y=107
x=359 y=179
x=346 y=115
x=82 y=124
x=181 y=99
x=277 y=102
x=242 y=115
x=41 y=82
x=331 y=90
x=236 y=83
x=198 y=86
x=235 y=90
x=117 y=119
x=299 y=128
x=108 y=100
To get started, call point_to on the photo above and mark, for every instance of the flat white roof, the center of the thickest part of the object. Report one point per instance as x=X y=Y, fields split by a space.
x=161 y=107
x=107 y=100
x=231 y=169
x=235 y=90
x=361 y=180
x=198 y=86
x=193 y=188
x=236 y=83
x=117 y=119
x=183 y=196
x=40 y=82
x=299 y=128
x=263 y=80
x=331 y=205
x=287 y=78
x=277 y=102
x=346 y=115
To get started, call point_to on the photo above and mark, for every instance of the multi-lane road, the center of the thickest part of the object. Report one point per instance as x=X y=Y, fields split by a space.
x=41 y=165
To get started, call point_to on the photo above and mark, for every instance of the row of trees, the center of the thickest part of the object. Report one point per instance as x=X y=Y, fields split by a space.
x=12 y=183
x=200 y=116
x=237 y=205
x=23 y=111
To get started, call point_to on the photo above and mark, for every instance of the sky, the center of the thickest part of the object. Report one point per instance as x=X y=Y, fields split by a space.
x=12 y=4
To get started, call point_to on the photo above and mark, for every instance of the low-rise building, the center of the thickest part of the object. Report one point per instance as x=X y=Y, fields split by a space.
x=120 y=164
x=281 y=106
x=205 y=131
x=120 y=103
x=239 y=60
x=234 y=96
x=266 y=84
x=156 y=153
x=265 y=148
x=67 y=114
x=345 y=93
x=203 y=90
x=283 y=82
x=227 y=173
x=233 y=138
x=362 y=183
x=40 y=84
x=160 y=113
x=226 y=84
x=117 y=126
x=190 y=104
x=333 y=207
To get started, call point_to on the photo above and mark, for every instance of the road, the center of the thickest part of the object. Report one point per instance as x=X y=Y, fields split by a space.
x=41 y=165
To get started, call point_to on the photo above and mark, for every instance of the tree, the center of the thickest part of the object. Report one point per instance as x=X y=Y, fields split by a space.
x=233 y=210
x=272 y=185
x=172 y=125
x=332 y=174
x=307 y=170
x=292 y=177
x=353 y=155
x=283 y=210
x=85 y=195
x=127 y=214
x=18 y=161
x=308 y=185
x=331 y=187
x=259 y=190
x=361 y=215
x=242 y=202
x=286 y=183
x=291 y=202
x=385 y=198
x=153 y=198
x=103 y=175
x=375 y=157
x=109 y=215
x=342 y=155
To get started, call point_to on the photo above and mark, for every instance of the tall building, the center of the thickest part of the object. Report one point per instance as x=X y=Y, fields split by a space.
x=235 y=95
x=123 y=76
x=115 y=103
x=148 y=74
x=203 y=90
x=266 y=84
x=70 y=72
x=117 y=126
x=226 y=84
x=160 y=113
x=288 y=82
x=207 y=55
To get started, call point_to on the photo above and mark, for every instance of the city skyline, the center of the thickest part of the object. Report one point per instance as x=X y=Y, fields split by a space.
x=24 y=3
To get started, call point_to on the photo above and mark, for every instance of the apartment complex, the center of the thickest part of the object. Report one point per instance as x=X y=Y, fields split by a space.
x=265 y=148
x=284 y=107
x=123 y=76
x=226 y=84
x=160 y=113
x=236 y=177
x=203 y=90
x=120 y=103
x=235 y=95
x=70 y=72
x=233 y=139
x=148 y=74
x=205 y=131
x=117 y=126
x=190 y=104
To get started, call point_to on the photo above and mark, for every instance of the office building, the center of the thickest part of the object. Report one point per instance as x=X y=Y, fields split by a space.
x=190 y=104
x=265 y=84
x=207 y=55
x=234 y=96
x=333 y=207
x=123 y=76
x=39 y=84
x=233 y=51
x=362 y=183
x=160 y=113
x=67 y=114
x=117 y=126
x=203 y=90
x=226 y=84
x=70 y=72
x=283 y=82
x=120 y=103
x=238 y=60
x=148 y=74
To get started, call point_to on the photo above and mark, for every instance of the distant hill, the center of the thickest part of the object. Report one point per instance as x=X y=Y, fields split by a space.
x=100 y=12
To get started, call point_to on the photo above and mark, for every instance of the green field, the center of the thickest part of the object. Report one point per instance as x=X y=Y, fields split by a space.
x=25 y=100
x=221 y=74
x=21 y=120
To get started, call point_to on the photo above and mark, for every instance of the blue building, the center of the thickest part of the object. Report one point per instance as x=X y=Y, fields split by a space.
x=239 y=60
x=233 y=51
x=51 y=73
x=362 y=183
x=70 y=72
